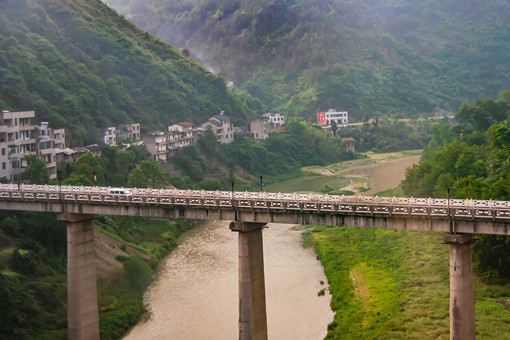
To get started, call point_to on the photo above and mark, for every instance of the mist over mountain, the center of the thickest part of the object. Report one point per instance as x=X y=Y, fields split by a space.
x=80 y=65
x=366 y=56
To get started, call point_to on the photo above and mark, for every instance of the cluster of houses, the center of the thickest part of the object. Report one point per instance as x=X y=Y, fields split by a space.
x=20 y=136
x=162 y=145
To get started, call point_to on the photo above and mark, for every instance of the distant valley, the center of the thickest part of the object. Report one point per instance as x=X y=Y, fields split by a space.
x=367 y=57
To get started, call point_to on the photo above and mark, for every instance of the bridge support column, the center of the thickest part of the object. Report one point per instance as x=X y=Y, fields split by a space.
x=252 y=291
x=462 y=301
x=82 y=308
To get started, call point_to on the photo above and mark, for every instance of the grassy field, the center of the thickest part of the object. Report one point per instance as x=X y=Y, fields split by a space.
x=393 y=284
x=316 y=177
x=371 y=158
x=310 y=183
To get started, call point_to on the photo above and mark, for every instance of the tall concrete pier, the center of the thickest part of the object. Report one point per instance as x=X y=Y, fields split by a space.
x=462 y=300
x=82 y=308
x=252 y=291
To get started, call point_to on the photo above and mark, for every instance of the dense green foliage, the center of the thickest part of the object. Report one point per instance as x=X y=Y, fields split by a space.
x=36 y=171
x=386 y=135
x=33 y=276
x=81 y=66
x=472 y=160
x=367 y=57
x=300 y=145
x=34 y=281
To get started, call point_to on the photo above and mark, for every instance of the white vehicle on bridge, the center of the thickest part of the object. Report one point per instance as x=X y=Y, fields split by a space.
x=119 y=191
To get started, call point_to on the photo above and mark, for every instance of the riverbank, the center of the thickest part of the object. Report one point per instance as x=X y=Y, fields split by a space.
x=375 y=173
x=394 y=284
x=127 y=251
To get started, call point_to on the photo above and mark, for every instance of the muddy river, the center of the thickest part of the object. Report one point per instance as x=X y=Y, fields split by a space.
x=196 y=293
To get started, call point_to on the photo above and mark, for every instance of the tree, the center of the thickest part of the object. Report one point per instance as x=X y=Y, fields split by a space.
x=153 y=175
x=231 y=165
x=480 y=116
x=504 y=96
x=136 y=179
x=36 y=171
x=334 y=127
x=209 y=143
x=89 y=167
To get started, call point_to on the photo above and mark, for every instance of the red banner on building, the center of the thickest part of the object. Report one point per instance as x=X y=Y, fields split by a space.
x=321 y=118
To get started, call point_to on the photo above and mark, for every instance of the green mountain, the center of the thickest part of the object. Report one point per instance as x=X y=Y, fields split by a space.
x=80 y=65
x=366 y=56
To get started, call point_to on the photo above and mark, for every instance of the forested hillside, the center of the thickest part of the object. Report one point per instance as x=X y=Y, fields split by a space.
x=79 y=65
x=471 y=159
x=368 y=57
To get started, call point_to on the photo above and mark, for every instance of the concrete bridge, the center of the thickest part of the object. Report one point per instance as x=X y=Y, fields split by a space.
x=249 y=212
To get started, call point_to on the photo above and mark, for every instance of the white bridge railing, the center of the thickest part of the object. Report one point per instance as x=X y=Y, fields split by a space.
x=311 y=202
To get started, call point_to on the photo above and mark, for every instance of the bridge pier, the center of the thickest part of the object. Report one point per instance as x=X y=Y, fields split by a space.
x=252 y=291
x=462 y=301
x=82 y=306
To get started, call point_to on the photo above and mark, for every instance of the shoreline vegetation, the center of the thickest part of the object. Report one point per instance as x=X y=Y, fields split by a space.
x=334 y=178
x=394 y=284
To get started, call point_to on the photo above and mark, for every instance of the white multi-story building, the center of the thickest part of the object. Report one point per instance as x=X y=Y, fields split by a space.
x=17 y=140
x=326 y=118
x=180 y=135
x=259 y=128
x=110 y=135
x=156 y=145
x=20 y=137
x=222 y=127
x=58 y=135
x=275 y=118
x=48 y=141
x=125 y=132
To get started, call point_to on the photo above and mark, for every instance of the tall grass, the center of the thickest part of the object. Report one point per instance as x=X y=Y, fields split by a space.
x=394 y=284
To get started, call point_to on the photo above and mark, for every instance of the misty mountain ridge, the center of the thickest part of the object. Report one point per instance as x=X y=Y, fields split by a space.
x=369 y=57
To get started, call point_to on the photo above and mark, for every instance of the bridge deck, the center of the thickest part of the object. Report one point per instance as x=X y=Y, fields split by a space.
x=443 y=215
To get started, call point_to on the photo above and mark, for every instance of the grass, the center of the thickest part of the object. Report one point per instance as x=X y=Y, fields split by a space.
x=307 y=183
x=394 y=284
x=371 y=158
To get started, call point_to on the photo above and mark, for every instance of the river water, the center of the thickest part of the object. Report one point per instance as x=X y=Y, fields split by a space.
x=196 y=293
x=382 y=175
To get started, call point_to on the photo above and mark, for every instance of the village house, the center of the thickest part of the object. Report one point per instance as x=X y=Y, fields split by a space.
x=20 y=137
x=274 y=118
x=110 y=135
x=49 y=141
x=179 y=136
x=222 y=127
x=350 y=144
x=128 y=132
x=156 y=144
x=17 y=140
x=259 y=128
x=162 y=145
x=68 y=155
x=57 y=135
x=327 y=118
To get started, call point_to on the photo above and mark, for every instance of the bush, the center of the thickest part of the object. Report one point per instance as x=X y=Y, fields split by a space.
x=137 y=272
